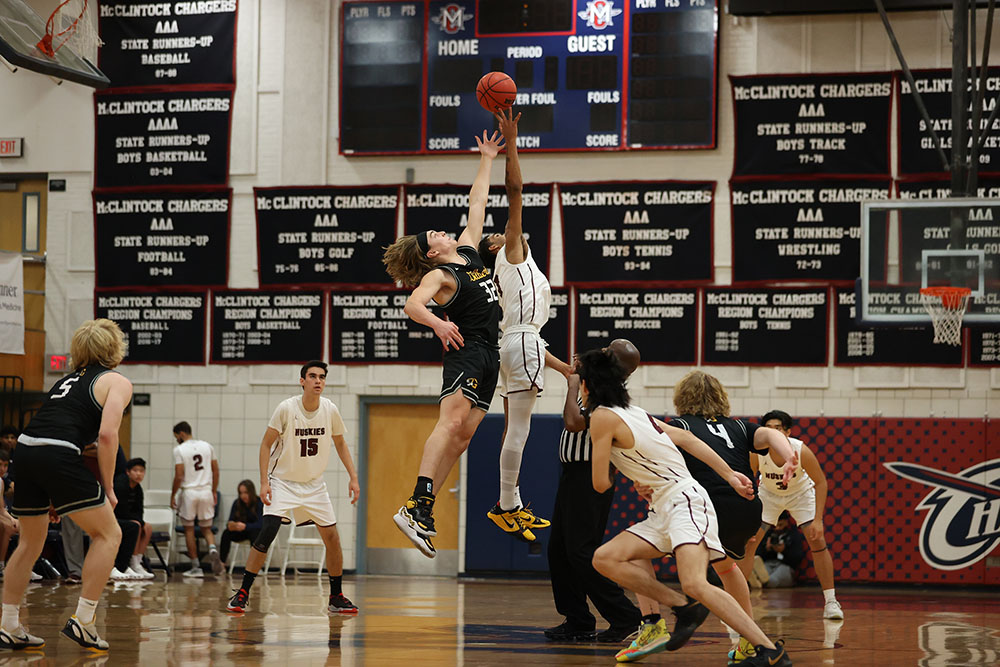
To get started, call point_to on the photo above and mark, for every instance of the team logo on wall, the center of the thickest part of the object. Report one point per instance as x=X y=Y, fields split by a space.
x=599 y=14
x=452 y=18
x=963 y=523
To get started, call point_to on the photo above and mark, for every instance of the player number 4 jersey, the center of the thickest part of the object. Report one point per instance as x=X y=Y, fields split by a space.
x=302 y=450
x=771 y=474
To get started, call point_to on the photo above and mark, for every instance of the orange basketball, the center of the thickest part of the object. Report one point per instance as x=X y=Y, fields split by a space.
x=496 y=91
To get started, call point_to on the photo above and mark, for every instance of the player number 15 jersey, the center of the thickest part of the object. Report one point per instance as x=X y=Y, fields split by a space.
x=302 y=450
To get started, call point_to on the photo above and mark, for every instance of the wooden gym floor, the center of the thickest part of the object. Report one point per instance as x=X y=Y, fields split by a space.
x=441 y=621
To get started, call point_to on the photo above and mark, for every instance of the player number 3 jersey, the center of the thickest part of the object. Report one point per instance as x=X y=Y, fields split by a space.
x=302 y=450
x=771 y=474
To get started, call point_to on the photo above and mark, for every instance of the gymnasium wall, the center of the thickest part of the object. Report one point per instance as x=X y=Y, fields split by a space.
x=284 y=133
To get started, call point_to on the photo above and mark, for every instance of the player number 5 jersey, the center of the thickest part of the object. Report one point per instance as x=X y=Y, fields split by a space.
x=771 y=474
x=302 y=450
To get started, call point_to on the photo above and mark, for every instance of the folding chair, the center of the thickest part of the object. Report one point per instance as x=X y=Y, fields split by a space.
x=235 y=549
x=161 y=520
x=294 y=541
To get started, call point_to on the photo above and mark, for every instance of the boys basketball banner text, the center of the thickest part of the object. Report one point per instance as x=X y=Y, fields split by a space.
x=266 y=327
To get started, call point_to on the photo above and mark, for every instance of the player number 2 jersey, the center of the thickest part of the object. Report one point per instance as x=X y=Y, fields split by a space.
x=771 y=474
x=196 y=457
x=302 y=450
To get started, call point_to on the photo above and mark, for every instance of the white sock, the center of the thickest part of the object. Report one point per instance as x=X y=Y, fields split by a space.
x=517 y=497
x=519 y=406
x=195 y=562
x=211 y=547
x=11 y=617
x=136 y=561
x=829 y=595
x=86 y=610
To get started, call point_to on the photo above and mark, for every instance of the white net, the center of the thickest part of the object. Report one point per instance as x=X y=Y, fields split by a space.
x=946 y=306
x=72 y=25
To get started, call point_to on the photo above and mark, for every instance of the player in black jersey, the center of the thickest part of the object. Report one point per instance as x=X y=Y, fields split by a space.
x=451 y=274
x=81 y=408
x=703 y=406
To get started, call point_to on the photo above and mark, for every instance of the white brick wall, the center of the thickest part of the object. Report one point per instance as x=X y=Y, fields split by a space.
x=285 y=133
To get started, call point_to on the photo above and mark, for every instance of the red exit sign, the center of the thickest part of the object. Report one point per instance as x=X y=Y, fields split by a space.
x=10 y=146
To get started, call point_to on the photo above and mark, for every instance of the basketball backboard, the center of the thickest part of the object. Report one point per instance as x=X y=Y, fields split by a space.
x=906 y=245
x=21 y=28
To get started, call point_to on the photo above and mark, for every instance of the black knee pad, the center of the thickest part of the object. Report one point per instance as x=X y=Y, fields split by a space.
x=268 y=531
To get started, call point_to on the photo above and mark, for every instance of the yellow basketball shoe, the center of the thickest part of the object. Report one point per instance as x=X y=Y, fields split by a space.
x=511 y=523
x=529 y=519
x=744 y=649
x=653 y=638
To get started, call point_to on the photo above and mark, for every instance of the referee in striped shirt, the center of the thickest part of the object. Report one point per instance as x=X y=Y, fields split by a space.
x=578 y=524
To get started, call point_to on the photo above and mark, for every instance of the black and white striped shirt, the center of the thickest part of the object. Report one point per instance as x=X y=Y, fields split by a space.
x=575 y=447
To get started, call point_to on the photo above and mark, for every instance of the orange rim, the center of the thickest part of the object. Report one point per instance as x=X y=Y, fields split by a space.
x=951 y=297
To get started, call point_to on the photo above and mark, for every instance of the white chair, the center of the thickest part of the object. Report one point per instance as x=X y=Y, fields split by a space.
x=161 y=520
x=235 y=549
x=156 y=498
x=300 y=541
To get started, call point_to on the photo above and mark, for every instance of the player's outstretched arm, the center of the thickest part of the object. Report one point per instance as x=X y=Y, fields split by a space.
x=602 y=434
x=353 y=487
x=489 y=148
x=572 y=415
x=554 y=362
x=270 y=435
x=514 y=241
x=781 y=450
x=416 y=308
x=690 y=443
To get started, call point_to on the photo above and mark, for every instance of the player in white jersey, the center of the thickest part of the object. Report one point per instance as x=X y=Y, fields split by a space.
x=196 y=475
x=804 y=497
x=683 y=522
x=525 y=297
x=293 y=457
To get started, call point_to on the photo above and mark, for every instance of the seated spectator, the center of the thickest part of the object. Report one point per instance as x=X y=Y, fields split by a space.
x=130 y=529
x=128 y=489
x=8 y=439
x=779 y=554
x=244 y=518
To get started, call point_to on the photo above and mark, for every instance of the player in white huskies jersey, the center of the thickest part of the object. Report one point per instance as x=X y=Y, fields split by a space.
x=294 y=454
x=684 y=521
x=804 y=497
x=196 y=475
x=525 y=297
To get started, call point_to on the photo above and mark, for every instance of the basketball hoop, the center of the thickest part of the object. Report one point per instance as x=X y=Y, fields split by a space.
x=946 y=306
x=69 y=23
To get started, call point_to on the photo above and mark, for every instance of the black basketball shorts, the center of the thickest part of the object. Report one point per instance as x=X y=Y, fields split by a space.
x=472 y=370
x=739 y=520
x=53 y=474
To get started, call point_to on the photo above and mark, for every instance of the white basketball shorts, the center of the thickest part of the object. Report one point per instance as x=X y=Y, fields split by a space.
x=522 y=361
x=197 y=504
x=685 y=517
x=802 y=506
x=301 y=502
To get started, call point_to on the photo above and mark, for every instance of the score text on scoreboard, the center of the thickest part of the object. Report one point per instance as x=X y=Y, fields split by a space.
x=590 y=74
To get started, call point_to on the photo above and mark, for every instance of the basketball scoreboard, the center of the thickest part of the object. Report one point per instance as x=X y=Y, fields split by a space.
x=590 y=74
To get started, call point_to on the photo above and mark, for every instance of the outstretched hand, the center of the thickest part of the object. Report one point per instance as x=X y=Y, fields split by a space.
x=789 y=468
x=490 y=147
x=742 y=484
x=507 y=123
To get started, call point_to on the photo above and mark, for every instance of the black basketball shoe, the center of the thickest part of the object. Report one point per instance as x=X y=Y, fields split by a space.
x=415 y=519
x=689 y=617
x=238 y=603
x=339 y=604
x=769 y=657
